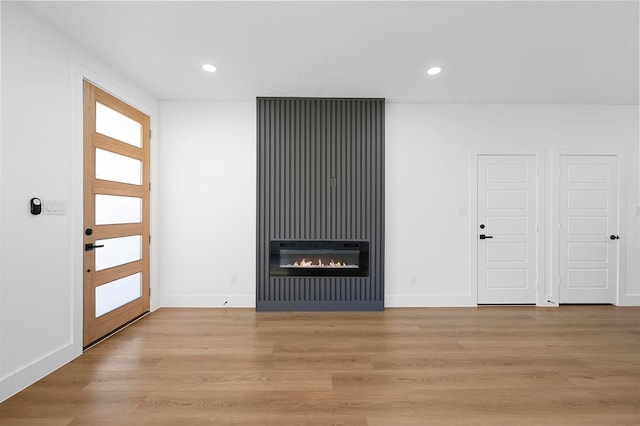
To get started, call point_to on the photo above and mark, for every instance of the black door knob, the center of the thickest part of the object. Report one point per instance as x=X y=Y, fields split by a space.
x=615 y=237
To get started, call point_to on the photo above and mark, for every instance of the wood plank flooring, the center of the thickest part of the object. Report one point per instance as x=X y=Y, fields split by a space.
x=575 y=365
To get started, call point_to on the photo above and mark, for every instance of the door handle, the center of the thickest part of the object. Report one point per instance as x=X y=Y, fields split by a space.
x=615 y=237
x=90 y=246
x=484 y=237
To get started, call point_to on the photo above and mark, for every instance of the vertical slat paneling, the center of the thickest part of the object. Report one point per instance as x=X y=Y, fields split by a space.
x=303 y=145
x=259 y=200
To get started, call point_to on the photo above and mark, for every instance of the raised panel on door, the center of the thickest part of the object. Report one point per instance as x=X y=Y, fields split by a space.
x=507 y=203
x=588 y=215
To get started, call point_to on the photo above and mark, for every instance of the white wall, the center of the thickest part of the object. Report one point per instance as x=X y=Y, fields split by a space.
x=41 y=156
x=428 y=182
x=208 y=165
x=208 y=220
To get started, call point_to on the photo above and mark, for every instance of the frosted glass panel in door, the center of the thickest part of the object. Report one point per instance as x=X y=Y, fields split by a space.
x=118 y=251
x=117 y=126
x=118 y=168
x=116 y=293
x=112 y=209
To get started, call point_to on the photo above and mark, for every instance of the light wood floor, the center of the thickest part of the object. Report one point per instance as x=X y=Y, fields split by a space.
x=576 y=365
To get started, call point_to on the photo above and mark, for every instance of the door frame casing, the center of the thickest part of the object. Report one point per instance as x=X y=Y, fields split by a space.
x=554 y=269
x=541 y=299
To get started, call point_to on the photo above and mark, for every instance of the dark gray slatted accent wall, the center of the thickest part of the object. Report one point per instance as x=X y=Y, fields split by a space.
x=320 y=177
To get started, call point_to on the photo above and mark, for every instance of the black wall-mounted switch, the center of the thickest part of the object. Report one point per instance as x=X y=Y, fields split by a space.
x=36 y=206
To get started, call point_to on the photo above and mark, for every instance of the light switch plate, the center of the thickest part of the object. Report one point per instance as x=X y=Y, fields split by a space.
x=58 y=207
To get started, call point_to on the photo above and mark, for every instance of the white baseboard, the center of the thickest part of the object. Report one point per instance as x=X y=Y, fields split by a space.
x=248 y=301
x=19 y=380
x=427 y=301
x=390 y=301
x=208 y=301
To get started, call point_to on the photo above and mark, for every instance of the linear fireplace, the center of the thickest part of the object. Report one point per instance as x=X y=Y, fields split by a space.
x=319 y=258
x=320 y=204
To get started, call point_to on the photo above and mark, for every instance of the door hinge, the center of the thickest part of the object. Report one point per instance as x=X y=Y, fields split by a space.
x=149 y=133
x=149 y=239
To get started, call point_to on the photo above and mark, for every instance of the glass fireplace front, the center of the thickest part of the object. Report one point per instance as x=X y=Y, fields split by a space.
x=319 y=258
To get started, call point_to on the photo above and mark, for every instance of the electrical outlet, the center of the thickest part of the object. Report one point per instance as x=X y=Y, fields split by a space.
x=234 y=279
x=414 y=280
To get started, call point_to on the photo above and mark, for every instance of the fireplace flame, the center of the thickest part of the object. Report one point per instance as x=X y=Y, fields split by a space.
x=304 y=263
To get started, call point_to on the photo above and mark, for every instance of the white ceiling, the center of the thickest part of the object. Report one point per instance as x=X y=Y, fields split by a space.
x=537 y=52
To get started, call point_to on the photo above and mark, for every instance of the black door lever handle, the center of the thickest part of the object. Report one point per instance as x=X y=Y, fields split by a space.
x=90 y=246
x=484 y=237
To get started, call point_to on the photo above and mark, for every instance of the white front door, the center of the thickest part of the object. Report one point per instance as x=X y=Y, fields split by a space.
x=588 y=240
x=507 y=229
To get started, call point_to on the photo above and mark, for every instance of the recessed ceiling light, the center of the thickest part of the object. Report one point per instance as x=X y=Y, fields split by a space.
x=209 y=68
x=434 y=70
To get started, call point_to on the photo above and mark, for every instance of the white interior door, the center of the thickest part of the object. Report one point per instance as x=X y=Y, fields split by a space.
x=507 y=228
x=588 y=240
